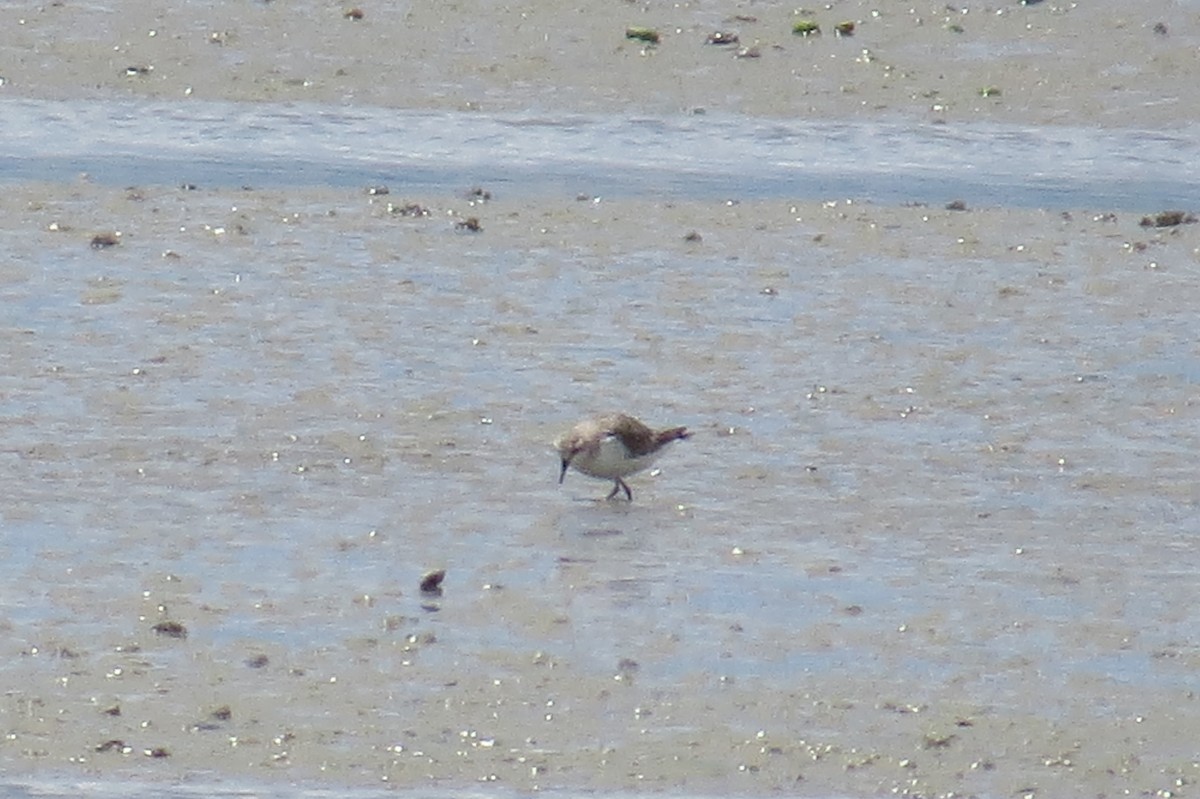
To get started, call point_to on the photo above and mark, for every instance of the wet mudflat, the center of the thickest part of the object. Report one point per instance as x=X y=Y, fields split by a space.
x=933 y=533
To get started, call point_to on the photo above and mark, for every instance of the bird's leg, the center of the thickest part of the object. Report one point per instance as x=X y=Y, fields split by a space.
x=618 y=487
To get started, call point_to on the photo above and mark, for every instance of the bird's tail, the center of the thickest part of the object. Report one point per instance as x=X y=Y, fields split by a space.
x=667 y=436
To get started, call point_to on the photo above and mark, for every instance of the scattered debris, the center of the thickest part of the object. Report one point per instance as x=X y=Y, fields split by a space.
x=844 y=28
x=806 y=27
x=938 y=740
x=408 y=209
x=431 y=582
x=722 y=37
x=353 y=13
x=470 y=224
x=1168 y=219
x=956 y=205
x=647 y=35
x=171 y=629
x=102 y=241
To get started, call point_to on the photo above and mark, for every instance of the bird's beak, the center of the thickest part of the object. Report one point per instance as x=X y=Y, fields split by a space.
x=566 y=463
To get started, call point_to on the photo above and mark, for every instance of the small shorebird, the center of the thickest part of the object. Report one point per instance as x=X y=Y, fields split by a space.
x=613 y=446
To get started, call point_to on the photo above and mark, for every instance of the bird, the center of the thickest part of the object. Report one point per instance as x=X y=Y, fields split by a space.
x=613 y=446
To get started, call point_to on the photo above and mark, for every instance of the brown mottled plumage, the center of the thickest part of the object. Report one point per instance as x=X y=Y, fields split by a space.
x=613 y=446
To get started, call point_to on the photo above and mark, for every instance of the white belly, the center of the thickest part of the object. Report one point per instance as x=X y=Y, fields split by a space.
x=610 y=460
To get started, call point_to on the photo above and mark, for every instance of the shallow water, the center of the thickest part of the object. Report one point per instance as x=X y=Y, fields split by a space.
x=702 y=157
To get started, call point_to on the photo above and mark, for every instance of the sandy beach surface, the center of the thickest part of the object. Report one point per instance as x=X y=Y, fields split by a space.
x=935 y=533
x=1108 y=64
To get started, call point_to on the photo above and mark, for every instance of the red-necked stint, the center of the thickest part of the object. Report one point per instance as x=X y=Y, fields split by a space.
x=613 y=446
